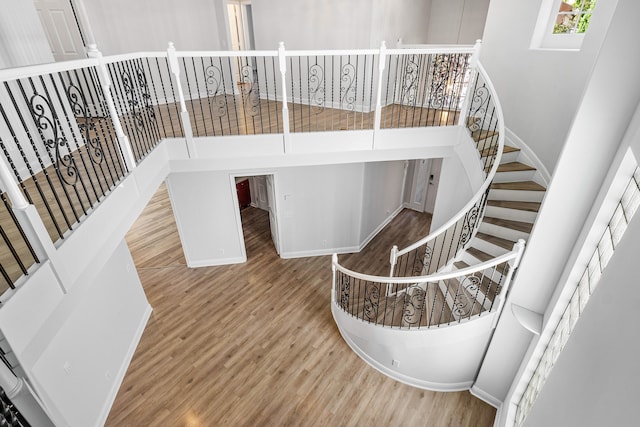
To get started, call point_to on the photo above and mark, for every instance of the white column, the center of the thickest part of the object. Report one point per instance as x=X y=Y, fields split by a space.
x=378 y=114
x=282 y=61
x=18 y=200
x=184 y=114
x=105 y=83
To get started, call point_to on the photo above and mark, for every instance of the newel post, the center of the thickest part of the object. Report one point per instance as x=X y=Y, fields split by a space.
x=334 y=263
x=105 y=84
x=378 y=114
x=473 y=65
x=282 y=62
x=172 y=58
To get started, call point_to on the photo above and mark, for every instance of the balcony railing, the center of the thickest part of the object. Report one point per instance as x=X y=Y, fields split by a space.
x=485 y=125
x=71 y=131
x=426 y=301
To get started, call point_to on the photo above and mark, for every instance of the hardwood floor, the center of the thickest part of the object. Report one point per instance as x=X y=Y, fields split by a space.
x=255 y=344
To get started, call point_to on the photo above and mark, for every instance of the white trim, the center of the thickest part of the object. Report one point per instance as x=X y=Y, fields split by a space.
x=528 y=156
x=123 y=368
x=486 y=397
x=216 y=261
x=380 y=227
x=320 y=252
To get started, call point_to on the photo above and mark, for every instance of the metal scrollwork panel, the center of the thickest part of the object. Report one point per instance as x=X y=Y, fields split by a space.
x=371 y=301
x=215 y=88
x=348 y=87
x=129 y=90
x=345 y=292
x=316 y=89
x=86 y=123
x=410 y=77
x=464 y=300
x=414 y=302
x=448 y=73
x=47 y=123
x=479 y=106
x=250 y=93
x=144 y=92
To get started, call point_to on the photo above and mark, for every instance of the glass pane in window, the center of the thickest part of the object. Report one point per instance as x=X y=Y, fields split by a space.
x=574 y=307
x=631 y=199
x=583 y=287
x=618 y=225
x=594 y=271
x=605 y=248
x=573 y=16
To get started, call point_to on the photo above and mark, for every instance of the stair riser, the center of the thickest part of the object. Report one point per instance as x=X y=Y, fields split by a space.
x=509 y=157
x=511 y=214
x=516 y=195
x=504 y=232
x=488 y=247
x=514 y=176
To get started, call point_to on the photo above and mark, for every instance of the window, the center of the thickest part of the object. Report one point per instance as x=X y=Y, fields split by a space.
x=602 y=253
x=562 y=24
x=573 y=16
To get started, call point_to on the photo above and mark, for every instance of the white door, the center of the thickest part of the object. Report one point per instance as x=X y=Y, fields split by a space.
x=259 y=197
x=273 y=220
x=432 y=185
x=421 y=171
x=61 y=28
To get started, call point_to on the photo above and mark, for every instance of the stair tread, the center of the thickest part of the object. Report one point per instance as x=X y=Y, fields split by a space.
x=460 y=265
x=522 y=206
x=525 y=227
x=498 y=241
x=507 y=149
x=519 y=185
x=482 y=256
x=514 y=167
x=481 y=134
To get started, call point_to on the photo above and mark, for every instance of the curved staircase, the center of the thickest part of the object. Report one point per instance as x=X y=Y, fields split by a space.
x=512 y=207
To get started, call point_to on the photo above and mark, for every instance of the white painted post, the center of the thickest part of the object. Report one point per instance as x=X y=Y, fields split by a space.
x=184 y=114
x=105 y=83
x=514 y=263
x=334 y=261
x=18 y=201
x=378 y=114
x=282 y=61
x=21 y=396
x=464 y=109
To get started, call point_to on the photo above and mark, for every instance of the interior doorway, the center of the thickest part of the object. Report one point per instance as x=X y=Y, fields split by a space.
x=241 y=24
x=424 y=185
x=256 y=197
x=62 y=29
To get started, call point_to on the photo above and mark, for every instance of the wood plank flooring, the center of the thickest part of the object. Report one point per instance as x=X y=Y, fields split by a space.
x=255 y=344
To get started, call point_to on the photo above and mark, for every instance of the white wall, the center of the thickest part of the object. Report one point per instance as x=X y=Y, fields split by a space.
x=338 y=24
x=206 y=216
x=456 y=21
x=594 y=381
x=454 y=191
x=22 y=38
x=601 y=120
x=539 y=90
x=381 y=195
x=121 y=26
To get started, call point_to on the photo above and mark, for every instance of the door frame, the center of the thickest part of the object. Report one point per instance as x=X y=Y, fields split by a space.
x=236 y=204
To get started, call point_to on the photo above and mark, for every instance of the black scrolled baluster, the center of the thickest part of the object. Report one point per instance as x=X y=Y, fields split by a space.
x=372 y=301
x=86 y=125
x=65 y=164
x=345 y=292
x=411 y=71
x=347 y=87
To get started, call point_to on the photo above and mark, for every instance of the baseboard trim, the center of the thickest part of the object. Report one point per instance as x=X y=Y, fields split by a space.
x=486 y=397
x=380 y=227
x=514 y=140
x=216 y=261
x=125 y=365
x=319 y=252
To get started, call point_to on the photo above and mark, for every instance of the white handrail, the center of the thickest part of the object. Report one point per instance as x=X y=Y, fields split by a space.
x=478 y=195
x=518 y=248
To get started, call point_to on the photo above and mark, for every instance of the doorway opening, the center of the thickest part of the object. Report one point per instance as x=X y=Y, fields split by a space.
x=60 y=22
x=424 y=178
x=240 y=17
x=257 y=213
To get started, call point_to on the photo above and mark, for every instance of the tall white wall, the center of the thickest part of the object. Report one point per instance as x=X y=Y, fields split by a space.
x=601 y=120
x=594 y=380
x=22 y=38
x=456 y=21
x=338 y=24
x=454 y=191
x=121 y=26
x=539 y=90
x=381 y=195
